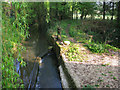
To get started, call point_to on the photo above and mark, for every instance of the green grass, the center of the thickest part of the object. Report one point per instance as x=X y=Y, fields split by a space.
x=88 y=87
x=74 y=53
x=100 y=47
x=91 y=33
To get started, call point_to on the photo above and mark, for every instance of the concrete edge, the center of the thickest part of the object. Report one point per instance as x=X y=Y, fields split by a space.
x=66 y=79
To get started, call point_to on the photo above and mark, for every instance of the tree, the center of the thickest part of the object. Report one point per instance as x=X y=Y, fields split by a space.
x=104 y=10
x=118 y=15
x=87 y=8
x=112 y=10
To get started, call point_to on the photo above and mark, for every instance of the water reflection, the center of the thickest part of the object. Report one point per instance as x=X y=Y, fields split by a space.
x=48 y=74
x=39 y=73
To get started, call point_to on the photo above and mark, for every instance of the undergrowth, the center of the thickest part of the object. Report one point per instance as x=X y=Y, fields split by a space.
x=13 y=32
x=98 y=37
x=100 y=48
x=74 y=52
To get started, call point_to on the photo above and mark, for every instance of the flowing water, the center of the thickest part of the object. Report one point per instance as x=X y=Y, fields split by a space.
x=41 y=69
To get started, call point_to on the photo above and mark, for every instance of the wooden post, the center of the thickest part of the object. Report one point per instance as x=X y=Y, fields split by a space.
x=59 y=33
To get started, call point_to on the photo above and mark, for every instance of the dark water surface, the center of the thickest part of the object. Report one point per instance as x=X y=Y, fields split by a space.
x=39 y=73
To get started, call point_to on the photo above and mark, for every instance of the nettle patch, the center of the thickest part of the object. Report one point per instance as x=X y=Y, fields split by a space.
x=75 y=52
x=100 y=48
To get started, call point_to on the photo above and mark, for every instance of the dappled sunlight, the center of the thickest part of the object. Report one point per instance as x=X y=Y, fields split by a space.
x=97 y=70
x=96 y=60
x=89 y=61
x=96 y=75
x=84 y=56
x=37 y=36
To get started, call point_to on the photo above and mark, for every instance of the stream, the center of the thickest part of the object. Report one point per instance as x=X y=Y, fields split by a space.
x=39 y=73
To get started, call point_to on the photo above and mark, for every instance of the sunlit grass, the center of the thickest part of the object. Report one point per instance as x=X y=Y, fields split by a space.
x=85 y=32
x=74 y=52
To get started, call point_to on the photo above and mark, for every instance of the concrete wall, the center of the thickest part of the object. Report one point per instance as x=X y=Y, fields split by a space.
x=66 y=79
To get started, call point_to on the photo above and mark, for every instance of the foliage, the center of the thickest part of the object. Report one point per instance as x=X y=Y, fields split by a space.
x=100 y=48
x=74 y=52
x=53 y=29
x=17 y=18
x=88 y=87
x=14 y=30
x=87 y=8
x=60 y=10
x=82 y=31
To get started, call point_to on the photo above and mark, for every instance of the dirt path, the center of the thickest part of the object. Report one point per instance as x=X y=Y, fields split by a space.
x=67 y=33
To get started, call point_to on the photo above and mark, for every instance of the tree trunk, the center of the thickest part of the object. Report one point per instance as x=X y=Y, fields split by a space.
x=72 y=11
x=56 y=11
x=112 y=10
x=104 y=10
x=11 y=13
x=76 y=15
x=82 y=14
x=63 y=12
x=50 y=12
x=41 y=17
x=118 y=15
x=85 y=16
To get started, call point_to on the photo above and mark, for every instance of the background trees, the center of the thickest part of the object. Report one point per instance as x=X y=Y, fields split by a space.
x=83 y=10
x=104 y=10
x=118 y=15
x=18 y=17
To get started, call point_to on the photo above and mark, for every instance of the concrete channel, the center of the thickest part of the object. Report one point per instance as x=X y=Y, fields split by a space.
x=50 y=71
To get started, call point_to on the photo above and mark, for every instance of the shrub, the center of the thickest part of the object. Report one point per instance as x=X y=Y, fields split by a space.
x=100 y=47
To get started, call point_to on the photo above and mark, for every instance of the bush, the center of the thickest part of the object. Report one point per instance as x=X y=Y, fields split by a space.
x=100 y=47
x=97 y=48
x=13 y=32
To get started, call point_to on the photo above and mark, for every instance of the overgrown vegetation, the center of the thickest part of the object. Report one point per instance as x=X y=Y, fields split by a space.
x=82 y=19
x=74 y=52
x=97 y=38
x=14 y=30
x=17 y=18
